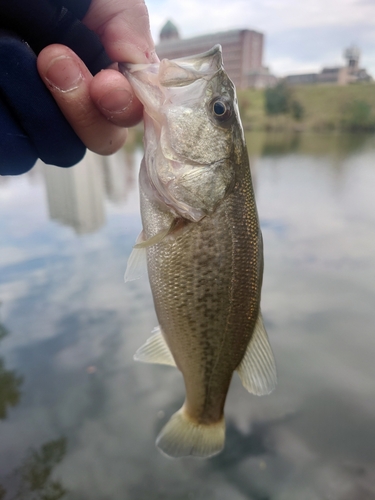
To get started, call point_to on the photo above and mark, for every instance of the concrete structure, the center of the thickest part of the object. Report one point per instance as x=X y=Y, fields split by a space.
x=242 y=53
x=340 y=75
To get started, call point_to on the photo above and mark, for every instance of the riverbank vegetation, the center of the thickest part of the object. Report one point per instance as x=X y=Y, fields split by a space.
x=309 y=108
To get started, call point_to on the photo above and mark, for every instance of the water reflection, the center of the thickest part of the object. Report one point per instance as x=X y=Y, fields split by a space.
x=119 y=175
x=75 y=326
x=319 y=144
x=33 y=479
x=76 y=196
x=10 y=383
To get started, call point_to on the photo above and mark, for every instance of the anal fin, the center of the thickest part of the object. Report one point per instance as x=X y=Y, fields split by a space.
x=257 y=369
x=155 y=350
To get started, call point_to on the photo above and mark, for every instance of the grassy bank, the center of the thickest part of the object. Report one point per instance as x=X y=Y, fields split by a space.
x=325 y=107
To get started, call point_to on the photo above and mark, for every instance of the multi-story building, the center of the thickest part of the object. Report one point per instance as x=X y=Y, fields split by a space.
x=339 y=75
x=242 y=53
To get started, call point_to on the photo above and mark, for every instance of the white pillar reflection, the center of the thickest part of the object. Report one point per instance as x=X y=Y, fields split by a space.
x=119 y=175
x=76 y=195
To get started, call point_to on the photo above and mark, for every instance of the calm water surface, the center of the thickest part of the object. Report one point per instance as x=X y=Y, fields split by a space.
x=78 y=417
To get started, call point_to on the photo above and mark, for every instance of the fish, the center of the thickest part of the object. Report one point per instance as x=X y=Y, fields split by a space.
x=202 y=242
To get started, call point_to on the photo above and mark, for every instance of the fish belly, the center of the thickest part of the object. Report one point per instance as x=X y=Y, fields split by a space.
x=206 y=283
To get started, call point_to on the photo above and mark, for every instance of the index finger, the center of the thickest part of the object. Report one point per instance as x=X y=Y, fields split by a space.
x=124 y=29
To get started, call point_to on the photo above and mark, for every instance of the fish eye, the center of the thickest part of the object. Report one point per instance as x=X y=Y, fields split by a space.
x=221 y=109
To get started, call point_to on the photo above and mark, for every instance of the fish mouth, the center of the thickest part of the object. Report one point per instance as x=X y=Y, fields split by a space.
x=202 y=63
x=152 y=81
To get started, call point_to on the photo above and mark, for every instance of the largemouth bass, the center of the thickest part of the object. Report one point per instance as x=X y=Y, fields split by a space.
x=203 y=242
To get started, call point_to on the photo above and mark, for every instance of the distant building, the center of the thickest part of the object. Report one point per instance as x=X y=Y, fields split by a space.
x=169 y=32
x=242 y=53
x=340 y=75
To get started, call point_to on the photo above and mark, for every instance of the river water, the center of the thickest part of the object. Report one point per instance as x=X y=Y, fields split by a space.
x=79 y=418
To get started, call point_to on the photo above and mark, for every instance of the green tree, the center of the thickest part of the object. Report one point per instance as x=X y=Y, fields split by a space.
x=297 y=110
x=357 y=115
x=278 y=99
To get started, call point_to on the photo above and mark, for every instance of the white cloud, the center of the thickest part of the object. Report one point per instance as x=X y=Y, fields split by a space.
x=194 y=16
x=291 y=27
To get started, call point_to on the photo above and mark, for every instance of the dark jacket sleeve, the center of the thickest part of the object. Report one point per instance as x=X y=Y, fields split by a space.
x=31 y=124
x=42 y=22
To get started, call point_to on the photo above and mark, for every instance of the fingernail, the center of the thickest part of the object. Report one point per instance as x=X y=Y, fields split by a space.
x=64 y=74
x=142 y=55
x=153 y=57
x=116 y=101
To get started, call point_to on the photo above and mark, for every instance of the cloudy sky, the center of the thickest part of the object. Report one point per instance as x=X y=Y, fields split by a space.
x=300 y=35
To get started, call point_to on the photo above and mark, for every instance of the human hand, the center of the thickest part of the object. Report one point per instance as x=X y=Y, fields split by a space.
x=99 y=107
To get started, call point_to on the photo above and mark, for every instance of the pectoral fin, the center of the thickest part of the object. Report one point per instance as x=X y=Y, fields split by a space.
x=155 y=350
x=137 y=262
x=157 y=238
x=257 y=369
x=176 y=226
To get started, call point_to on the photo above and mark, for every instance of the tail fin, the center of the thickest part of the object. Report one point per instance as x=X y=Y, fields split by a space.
x=182 y=437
